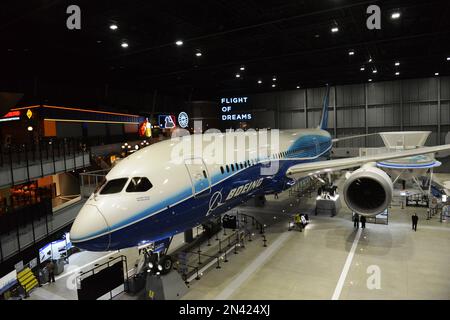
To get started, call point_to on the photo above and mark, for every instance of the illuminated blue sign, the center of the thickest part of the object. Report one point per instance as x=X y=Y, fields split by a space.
x=183 y=119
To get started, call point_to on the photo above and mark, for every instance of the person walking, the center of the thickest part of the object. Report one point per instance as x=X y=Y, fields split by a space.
x=363 y=222
x=51 y=271
x=415 y=220
x=356 y=220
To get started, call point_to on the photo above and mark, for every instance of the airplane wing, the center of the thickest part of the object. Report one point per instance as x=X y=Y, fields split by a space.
x=355 y=137
x=340 y=164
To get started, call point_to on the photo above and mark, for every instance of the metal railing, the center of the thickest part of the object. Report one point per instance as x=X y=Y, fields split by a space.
x=228 y=244
x=89 y=181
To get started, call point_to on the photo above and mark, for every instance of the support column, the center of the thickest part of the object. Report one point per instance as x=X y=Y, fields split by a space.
x=306 y=107
x=188 y=236
x=401 y=105
x=335 y=112
x=439 y=112
x=366 y=113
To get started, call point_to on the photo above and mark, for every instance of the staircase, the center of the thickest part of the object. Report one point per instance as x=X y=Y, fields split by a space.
x=27 y=279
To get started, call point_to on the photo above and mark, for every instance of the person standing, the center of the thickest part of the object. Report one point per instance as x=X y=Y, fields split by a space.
x=363 y=222
x=415 y=220
x=51 y=271
x=356 y=220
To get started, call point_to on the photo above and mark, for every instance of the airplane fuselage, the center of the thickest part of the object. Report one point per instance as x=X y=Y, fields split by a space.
x=186 y=194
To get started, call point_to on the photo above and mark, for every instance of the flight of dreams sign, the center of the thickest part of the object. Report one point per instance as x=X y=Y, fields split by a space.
x=231 y=109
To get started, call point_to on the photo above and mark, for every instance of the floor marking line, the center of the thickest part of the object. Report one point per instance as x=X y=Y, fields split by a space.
x=348 y=262
x=256 y=264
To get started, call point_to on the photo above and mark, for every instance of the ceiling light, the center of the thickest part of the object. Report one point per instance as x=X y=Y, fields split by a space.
x=298 y=87
x=351 y=53
x=397 y=73
x=334 y=29
x=370 y=80
x=448 y=58
x=238 y=75
x=274 y=85
x=395 y=15
x=370 y=60
x=198 y=54
x=274 y=79
x=397 y=64
x=362 y=68
x=374 y=71
x=242 y=68
x=113 y=27
x=124 y=45
x=436 y=73
x=259 y=81
x=179 y=43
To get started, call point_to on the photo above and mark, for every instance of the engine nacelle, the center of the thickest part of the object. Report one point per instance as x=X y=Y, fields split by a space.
x=368 y=191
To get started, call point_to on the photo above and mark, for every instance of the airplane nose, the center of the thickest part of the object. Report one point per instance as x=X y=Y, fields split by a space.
x=89 y=224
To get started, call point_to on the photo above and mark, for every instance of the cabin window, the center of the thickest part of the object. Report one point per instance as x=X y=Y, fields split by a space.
x=242 y=166
x=245 y=164
x=205 y=175
x=221 y=170
x=232 y=167
x=228 y=168
x=114 y=186
x=139 y=184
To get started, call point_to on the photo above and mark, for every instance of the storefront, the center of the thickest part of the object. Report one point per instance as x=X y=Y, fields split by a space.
x=25 y=124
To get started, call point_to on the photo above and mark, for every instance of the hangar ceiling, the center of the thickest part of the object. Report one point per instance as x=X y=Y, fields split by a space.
x=290 y=40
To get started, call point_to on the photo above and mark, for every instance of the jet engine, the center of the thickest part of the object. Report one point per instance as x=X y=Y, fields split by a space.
x=368 y=190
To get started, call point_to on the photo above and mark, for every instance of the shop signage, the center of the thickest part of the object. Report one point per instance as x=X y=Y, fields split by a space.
x=233 y=109
x=183 y=119
x=166 y=121
x=11 y=116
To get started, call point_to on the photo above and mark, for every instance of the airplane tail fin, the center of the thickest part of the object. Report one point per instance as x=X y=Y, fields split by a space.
x=324 y=120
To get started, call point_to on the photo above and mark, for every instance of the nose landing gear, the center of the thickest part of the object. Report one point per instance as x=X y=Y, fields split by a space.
x=156 y=258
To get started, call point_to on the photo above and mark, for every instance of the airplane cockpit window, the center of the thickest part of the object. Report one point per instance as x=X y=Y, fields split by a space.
x=139 y=184
x=100 y=185
x=114 y=186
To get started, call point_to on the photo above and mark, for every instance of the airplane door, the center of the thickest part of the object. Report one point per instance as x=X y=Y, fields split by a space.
x=200 y=179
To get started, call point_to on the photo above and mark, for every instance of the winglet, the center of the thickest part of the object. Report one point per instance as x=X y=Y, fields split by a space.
x=326 y=100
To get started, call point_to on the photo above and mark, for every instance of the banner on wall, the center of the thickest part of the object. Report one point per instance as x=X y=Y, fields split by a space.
x=145 y=129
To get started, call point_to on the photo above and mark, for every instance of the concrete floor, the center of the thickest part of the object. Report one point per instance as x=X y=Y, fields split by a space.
x=329 y=260
x=332 y=260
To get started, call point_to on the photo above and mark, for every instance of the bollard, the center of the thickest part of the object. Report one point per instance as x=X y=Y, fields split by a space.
x=220 y=246
x=218 y=264
x=199 y=259
x=197 y=277
x=265 y=241
x=225 y=257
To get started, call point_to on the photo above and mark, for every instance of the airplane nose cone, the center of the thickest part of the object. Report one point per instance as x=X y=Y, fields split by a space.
x=89 y=224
